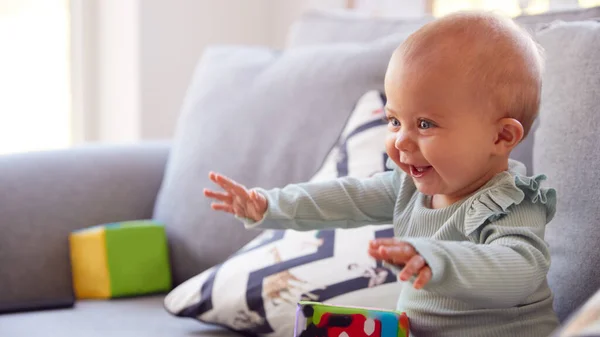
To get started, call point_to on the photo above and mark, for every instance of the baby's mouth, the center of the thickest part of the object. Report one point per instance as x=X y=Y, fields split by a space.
x=419 y=171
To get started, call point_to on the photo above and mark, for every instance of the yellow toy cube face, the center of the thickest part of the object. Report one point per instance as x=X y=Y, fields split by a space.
x=89 y=264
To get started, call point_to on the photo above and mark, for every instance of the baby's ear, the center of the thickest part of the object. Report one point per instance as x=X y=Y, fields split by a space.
x=510 y=134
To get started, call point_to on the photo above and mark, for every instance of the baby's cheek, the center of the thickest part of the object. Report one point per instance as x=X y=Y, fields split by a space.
x=391 y=150
x=461 y=163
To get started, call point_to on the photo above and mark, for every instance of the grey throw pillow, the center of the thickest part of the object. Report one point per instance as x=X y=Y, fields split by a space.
x=318 y=27
x=264 y=118
x=566 y=149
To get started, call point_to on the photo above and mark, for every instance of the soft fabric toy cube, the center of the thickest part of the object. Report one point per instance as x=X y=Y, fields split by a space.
x=315 y=319
x=120 y=259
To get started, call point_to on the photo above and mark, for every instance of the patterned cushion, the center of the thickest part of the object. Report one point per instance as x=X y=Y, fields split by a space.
x=256 y=290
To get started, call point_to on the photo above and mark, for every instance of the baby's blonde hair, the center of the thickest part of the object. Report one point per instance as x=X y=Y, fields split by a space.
x=498 y=56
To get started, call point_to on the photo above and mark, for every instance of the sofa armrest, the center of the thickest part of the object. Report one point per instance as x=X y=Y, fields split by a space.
x=46 y=195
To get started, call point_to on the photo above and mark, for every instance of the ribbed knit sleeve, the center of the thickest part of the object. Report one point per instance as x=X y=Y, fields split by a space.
x=339 y=203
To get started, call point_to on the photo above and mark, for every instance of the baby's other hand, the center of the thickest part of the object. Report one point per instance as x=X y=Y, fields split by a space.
x=404 y=255
x=236 y=199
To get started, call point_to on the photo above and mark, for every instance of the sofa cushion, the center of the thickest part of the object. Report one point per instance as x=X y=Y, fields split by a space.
x=540 y=21
x=326 y=27
x=264 y=118
x=46 y=195
x=134 y=317
x=257 y=289
x=317 y=27
x=566 y=150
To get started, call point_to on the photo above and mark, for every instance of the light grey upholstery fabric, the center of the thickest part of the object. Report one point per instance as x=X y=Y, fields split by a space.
x=566 y=148
x=318 y=27
x=135 y=317
x=326 y=27
x=45 y=195
x=264 y=118
x=540 y=21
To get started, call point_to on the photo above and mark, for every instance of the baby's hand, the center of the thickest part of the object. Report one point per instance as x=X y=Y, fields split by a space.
x=402 y=254
x=236 y=199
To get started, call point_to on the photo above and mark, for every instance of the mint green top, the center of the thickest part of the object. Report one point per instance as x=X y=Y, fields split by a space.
x=487 y=252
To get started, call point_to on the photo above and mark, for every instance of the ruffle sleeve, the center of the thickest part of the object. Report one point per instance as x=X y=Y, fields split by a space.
x=507 y=191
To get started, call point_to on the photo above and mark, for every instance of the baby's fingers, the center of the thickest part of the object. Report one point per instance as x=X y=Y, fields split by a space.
x=213 y=177
x=224 y=197
x=376 y=243
x=423 y=278
x=222 y=207
x=374 y=252
x=399 y=253
x=412 y=267
x=227 y=184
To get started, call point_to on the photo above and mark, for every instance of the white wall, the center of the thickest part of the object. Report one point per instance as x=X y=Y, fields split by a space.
x=134 y=59
x=283 y=13
x=173 y=35
x=118 y=86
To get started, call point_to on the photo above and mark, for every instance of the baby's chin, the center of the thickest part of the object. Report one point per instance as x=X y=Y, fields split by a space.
x=425 y=189
x=429 y=188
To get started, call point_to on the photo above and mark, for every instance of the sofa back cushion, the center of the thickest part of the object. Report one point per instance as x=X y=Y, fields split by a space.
x=566 y=149
x=326 y=27
x=318 y=27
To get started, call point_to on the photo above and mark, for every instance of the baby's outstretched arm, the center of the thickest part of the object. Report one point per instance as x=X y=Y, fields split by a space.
x=343 y=202
x=236 y=199
x=335 y=203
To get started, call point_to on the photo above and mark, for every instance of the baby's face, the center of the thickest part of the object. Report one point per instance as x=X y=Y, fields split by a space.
x=438 y=131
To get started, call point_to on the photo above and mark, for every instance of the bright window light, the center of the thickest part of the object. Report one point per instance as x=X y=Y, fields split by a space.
x=35 y=96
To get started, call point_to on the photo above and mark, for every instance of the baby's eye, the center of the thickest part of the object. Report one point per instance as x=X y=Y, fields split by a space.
x=425 y=124
x=394 y=122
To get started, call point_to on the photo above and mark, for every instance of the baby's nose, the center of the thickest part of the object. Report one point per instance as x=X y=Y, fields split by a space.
x=404 y=142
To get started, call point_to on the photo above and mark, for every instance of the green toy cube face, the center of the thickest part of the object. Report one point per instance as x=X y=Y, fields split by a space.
x=137 y=258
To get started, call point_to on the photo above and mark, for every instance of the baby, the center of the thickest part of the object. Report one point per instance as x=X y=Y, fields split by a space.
x=462 y=92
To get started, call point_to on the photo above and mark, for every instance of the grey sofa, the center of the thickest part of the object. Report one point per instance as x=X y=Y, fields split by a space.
x=44 y=196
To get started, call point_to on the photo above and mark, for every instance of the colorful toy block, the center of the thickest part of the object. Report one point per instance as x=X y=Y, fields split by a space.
x=315 y=319
x=120 y=259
